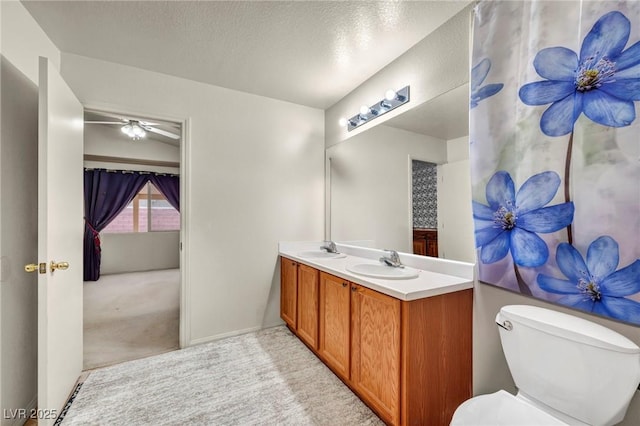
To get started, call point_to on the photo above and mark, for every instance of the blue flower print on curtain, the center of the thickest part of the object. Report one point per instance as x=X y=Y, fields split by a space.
x=595 y=285
x=478 y=75
x=566 y=110
x=511 y=221
x=603 y=82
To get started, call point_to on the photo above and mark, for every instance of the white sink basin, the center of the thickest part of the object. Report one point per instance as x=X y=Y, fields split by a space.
x=320 y=254
x=378 y=270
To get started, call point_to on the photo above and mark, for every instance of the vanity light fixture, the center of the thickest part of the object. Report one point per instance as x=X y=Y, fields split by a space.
x=392 y=99
x=364 y=110
x=133 y=130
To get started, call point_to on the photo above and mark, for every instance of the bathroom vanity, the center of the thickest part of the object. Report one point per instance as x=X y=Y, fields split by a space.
x=402 y=345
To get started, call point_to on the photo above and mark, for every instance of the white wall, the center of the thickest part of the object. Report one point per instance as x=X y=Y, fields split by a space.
x=142 y=251
x=21 y=42
x=255 y=171
x=458 y=150
x=370 y=178
x=435 y=65
x=109 y=141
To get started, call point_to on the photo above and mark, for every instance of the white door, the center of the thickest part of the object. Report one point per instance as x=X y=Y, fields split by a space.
x=60 y=239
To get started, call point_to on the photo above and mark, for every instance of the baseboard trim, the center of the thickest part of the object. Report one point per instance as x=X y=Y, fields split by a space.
x=31 y=407
x=213 y=338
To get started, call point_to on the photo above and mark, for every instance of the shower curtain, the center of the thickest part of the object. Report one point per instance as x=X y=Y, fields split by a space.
x=555 y=151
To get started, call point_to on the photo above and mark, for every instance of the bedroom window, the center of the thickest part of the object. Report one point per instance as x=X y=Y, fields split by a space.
x=148 y=212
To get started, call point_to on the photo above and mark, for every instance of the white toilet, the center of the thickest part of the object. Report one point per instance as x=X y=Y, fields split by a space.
x=568 y=371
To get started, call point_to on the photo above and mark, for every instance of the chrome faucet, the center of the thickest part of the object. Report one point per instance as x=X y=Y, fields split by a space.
x=329 y=246
x=393 y=260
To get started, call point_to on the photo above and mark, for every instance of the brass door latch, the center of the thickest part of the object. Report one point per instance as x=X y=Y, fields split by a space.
x=42 y=267
x=33 y=267
x=63 y=266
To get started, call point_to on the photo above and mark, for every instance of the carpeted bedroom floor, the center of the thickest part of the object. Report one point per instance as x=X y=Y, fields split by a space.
x=264 y=378
x=130 y=316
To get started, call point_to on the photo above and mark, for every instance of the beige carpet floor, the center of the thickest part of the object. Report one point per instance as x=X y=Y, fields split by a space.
x=264 y=378
x=130 y=316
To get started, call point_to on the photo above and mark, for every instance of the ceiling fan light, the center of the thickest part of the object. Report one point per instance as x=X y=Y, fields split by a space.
x=134 y=131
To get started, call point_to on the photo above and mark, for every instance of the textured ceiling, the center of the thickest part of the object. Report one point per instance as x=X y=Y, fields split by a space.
x=448 y=116
x=307 y=52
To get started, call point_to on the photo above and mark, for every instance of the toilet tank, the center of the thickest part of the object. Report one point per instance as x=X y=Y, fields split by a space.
x=574 y=366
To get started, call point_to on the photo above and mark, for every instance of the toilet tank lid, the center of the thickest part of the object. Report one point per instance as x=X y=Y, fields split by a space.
x=567 y=326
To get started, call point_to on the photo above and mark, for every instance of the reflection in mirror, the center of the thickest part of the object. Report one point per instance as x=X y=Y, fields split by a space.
x=370 y=178
x=424 y=198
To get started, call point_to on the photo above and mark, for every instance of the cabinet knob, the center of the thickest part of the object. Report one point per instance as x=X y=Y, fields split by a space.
x=344 y=284
x=353 y=288
x=293 y=263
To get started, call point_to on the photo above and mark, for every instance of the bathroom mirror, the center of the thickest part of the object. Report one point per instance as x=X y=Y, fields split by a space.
x=370 y=179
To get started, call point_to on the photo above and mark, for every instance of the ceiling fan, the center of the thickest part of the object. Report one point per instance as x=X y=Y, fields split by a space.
x=136 y=129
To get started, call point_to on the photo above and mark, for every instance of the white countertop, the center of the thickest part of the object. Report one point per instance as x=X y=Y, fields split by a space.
x=435 y=276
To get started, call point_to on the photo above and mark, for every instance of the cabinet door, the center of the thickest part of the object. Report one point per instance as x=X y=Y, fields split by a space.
x=335 y=326
x=431 y=248
x=420 y=247
x=288 y=291
x=308 y=278
x=375 y=350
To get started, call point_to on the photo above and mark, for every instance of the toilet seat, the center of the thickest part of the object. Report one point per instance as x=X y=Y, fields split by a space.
x=501 y=409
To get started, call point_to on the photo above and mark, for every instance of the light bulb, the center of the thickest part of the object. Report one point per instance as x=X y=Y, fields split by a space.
x=127 y=129
x=138 y=131
x=390 y=94
x=342 y=122
x=364 y=110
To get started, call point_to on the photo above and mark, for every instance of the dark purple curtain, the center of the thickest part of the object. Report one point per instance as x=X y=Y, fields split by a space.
x=169 y=186
x=106 y=194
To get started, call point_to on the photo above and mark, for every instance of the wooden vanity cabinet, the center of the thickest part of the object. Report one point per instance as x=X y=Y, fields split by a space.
x=410 y=361
x=289 y=292
x=308 y=281
x=335 y=324
x=436 y=357
x=425 y=242
x=375 y=351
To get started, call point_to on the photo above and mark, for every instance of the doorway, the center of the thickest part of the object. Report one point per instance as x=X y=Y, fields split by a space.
x=132 y=306
x=424 y=207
